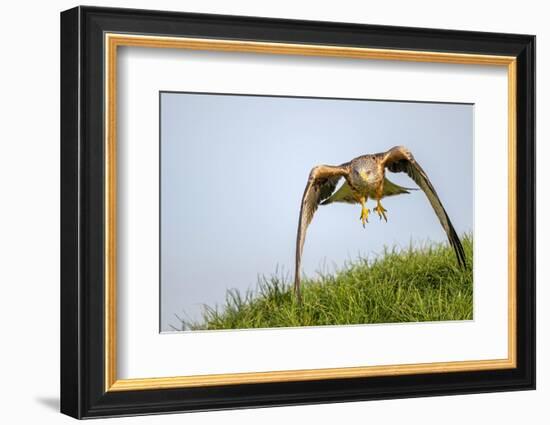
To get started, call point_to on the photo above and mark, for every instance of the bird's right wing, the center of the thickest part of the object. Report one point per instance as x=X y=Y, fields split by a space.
x=320 y=185
x=344 y=194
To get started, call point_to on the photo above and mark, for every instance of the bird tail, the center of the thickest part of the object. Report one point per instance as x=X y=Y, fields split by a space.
x=391 y=188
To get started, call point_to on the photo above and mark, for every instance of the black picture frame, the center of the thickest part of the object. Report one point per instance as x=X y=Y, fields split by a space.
x=83 y=392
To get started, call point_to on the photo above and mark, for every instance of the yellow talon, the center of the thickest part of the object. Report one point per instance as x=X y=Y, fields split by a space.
x=364 y=215
x=381 y=211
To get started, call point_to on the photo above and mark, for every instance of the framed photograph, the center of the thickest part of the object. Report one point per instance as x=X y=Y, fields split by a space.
x=261 y=212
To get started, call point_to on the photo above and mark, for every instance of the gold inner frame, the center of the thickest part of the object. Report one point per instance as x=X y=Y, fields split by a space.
x=113 y=41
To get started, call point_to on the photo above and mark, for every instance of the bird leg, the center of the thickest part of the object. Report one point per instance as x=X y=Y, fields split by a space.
x=364 y=217
x=379 y=208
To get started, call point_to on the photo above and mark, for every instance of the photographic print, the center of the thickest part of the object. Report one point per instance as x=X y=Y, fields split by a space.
x=347 y=209
x=302 y=211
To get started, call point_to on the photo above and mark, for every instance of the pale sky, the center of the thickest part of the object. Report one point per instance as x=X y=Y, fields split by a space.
x=233 y=170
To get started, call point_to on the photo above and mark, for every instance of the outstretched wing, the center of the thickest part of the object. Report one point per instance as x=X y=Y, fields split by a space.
x=400 y=159
x=321 y=183
x=344 y=194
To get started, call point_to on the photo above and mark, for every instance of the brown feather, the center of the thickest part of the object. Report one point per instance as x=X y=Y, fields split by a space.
x=321 y=183
x=400 y=159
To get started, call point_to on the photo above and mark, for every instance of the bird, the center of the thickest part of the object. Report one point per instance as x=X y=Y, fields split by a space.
x=365 y=178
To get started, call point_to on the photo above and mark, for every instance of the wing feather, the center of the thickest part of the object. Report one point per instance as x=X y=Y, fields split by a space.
x=400 y=159
x=321 y=183
x=344 y=194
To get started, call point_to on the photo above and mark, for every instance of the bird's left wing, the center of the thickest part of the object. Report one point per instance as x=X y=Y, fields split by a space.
x=400 y=159
x=320 y=185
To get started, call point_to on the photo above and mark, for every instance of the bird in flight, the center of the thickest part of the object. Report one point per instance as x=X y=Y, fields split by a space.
x=365 y=178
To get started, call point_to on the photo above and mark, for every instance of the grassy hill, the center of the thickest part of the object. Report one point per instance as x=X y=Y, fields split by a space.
x=412 y=285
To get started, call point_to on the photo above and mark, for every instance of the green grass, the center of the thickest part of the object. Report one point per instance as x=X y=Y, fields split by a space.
x=412 y=285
